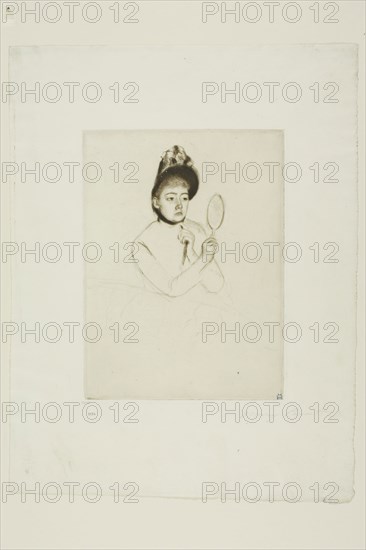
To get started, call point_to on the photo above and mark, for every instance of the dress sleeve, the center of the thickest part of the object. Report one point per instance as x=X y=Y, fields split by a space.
x=161 y=280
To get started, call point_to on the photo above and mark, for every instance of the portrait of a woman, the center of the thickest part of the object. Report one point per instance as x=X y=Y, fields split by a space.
x=175 y=254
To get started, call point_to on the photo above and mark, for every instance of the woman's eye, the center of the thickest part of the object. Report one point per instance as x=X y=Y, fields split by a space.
x=169 y=198
x=185 y=198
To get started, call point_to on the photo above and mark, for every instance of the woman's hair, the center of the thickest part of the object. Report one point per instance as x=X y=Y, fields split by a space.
x=175 y=162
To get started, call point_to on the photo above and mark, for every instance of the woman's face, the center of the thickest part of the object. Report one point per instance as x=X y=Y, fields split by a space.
x=172 y=201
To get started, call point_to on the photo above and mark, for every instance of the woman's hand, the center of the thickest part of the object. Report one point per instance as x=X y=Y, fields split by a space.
x=186 y=237
x=209 y=248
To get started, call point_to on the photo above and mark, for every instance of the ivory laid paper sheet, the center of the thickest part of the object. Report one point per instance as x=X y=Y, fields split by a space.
x=106 y=212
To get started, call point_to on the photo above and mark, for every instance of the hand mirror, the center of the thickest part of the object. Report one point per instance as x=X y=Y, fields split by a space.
x=215 y=212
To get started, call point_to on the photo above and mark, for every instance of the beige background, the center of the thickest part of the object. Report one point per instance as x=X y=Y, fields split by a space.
x=214 y=526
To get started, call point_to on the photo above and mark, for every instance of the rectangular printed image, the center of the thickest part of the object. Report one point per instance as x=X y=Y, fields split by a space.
x=184 y=274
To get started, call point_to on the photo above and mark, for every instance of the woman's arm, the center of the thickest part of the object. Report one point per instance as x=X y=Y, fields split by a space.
x=176 y=286
x=212 y=278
